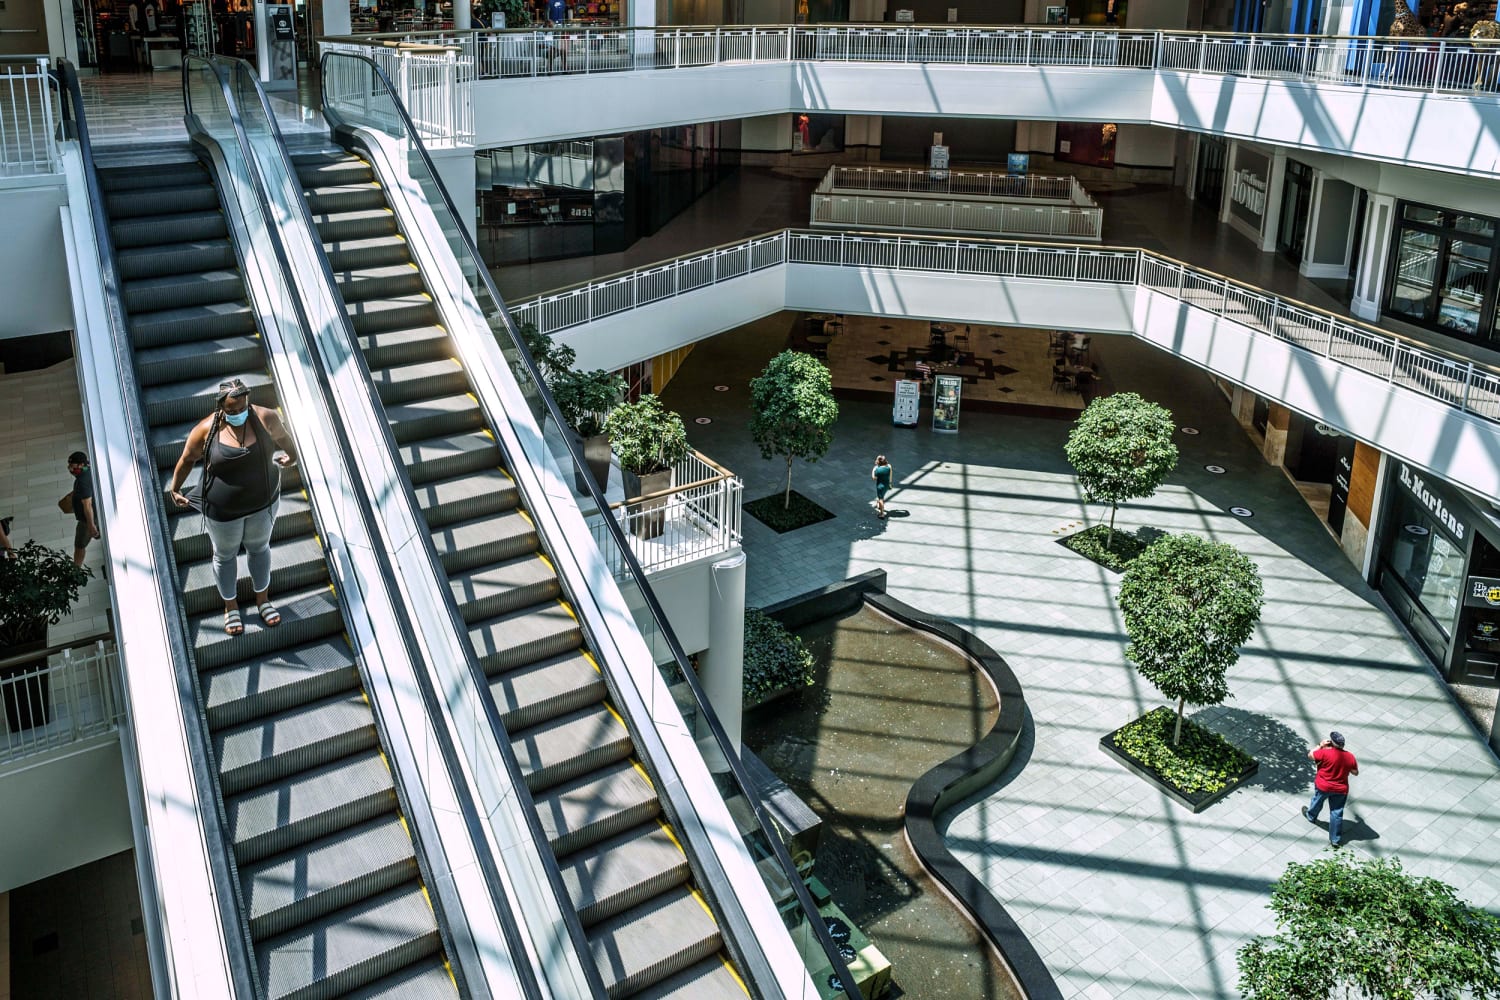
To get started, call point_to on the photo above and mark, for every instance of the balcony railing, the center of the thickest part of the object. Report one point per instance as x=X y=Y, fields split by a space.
x=28 y=119
x=700 y=516
x=433 y=80
x=956 y=201
x=1448 y=378
x=69 y=697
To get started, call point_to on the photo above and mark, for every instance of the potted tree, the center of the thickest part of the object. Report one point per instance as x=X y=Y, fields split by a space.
x=585 y=399
x=37 y=588
x=649 y=440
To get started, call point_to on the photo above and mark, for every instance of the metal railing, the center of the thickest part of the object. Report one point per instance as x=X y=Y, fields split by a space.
x=28 y=119
x=432 y=80
x=983 y=203
x=1449 y=65
x=70 y=695
x=1448 y=378
x=698 y=517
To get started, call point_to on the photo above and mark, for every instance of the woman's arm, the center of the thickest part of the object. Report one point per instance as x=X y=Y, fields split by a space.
x=272 y=421
x=191 y=449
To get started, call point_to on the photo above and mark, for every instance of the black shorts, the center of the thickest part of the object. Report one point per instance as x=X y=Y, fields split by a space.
x=82 y=535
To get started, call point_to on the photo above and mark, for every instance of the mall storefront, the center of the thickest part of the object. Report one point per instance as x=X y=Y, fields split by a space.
x=1439 y=567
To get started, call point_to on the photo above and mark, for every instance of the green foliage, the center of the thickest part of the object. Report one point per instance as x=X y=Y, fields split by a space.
x=774 y=658
x=1202 y=763
x=585 y=398
x=1188 y=605
x=551 y=357
x=1366 y=928
x=1093 y=543
x=775 y=513
x=517 y=12
x=1121 y=447
x=37 y=588
x=793 y=410
x=646 y=436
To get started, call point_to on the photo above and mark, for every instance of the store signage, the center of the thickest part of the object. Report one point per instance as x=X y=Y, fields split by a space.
x=1418 y=488
x=908 y=407
x=947 y=390
x=1343 y=470
x=1482 y=592
x=1017 y=163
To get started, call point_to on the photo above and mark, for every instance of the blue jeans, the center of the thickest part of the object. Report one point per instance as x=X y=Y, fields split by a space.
x=1336 y=802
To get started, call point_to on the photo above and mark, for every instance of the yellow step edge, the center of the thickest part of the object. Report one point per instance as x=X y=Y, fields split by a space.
x=729 y=966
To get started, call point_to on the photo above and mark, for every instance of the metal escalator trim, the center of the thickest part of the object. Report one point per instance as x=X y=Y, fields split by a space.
x=236 y=947
x=729 y=967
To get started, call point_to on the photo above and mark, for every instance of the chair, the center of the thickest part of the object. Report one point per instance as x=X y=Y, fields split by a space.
x=1057 y=344
x=1062 y=381
x=961 y=340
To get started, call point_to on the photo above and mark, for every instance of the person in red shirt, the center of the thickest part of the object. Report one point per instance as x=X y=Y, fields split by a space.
x=1335 y=765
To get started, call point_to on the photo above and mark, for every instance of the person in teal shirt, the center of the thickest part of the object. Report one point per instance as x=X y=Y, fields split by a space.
x=882 y=476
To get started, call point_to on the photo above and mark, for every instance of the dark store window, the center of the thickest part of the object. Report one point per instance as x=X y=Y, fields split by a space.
x=1442 y=272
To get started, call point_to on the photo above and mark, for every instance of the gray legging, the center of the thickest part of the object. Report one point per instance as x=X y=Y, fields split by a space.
x=253 y=531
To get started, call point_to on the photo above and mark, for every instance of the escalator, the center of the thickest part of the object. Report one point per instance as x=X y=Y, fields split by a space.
x=649 y=931
x=331 y=889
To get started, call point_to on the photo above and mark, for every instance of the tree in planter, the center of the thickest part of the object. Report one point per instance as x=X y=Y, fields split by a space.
x=37 y=588
x=1348 y=927
x=1189 y=604
x=517 y=12
x=793 y=411
x=585 y=399
x=1121 y=447
x=775 y=659
x=649 y=440
x=552 y=358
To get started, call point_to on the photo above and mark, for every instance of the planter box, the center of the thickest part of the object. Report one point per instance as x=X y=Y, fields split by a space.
x=1194 y=801
x=649 y=518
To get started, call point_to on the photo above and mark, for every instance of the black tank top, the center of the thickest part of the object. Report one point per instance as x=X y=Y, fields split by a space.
x=241 y=481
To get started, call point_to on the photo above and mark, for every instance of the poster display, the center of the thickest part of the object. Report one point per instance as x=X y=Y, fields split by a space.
x=947 y=391
x=908 y=406
x=1017 y=163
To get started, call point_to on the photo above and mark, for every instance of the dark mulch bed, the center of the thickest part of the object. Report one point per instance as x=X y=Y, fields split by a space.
x=1199 y=772
x=771 y=512
x=1089 y=543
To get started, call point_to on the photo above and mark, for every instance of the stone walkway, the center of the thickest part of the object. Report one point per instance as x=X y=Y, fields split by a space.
x=1123 y=892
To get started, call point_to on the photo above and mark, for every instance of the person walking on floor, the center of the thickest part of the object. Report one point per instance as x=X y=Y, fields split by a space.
x=238 y=493
x=882 y=476
x=81 y=504
x=1335 y=766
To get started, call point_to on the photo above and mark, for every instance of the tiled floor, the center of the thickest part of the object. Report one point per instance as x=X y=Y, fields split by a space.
x=1124 y=893
x=127 y=109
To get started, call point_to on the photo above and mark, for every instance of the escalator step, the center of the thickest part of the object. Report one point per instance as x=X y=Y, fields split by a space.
x=205 y=358
x=425 y=380
x=479 y=494
x=403 y=347
x=180 y=291
x=660 y=938
x=444 y=458
x=470 y=544
x=429 y=418
x=374 y=251
x=351 y=948
x=278 y=682
x=546 y=689
x=194 y=323
x=398 y=313
x=596 y=807
x=193 y=398
x=571 y=746
x=429 y=980
x=330 y=199
x=513 y=640
x=277 y=817
x=710 y=979
x=503 y=587
x=176 y=258
x=296 y=740
x=163 y=201
x=332 y=168
x=159 y=229
x=329 y=874
x=296 y=563
x=382 y=282
x=339 y=227
x=158 y=175
x=190 y=543
x=622 y=872
x=306 y=616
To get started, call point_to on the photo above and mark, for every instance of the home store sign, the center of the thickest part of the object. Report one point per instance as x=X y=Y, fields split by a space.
x=1434 y=503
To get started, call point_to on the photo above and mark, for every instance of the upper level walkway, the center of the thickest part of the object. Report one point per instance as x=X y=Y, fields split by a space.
x=1410 y=101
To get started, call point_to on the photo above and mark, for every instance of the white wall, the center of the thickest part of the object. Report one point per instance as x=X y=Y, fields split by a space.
x=63 y=810
x=1145 y=146
x=768 y=133
x=33 y=263
x=1167 y=15
x=683 y=593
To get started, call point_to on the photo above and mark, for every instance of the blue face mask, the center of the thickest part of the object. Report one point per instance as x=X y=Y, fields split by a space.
x=237 y=419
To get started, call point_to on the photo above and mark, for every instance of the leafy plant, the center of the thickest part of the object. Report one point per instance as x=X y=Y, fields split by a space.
x=1367 y=928
x=646 y=436
x=793 y=411
x=586 y=398
x=37 y=588
x=1092 y=543
x=1121 y=447
x=1188 y=605
x=552 y=358
x=1202 y=763
x=517 y=12
x=774 y=657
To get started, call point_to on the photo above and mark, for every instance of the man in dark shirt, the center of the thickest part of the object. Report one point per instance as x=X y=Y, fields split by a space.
x=83 y=505
x=1335 y=765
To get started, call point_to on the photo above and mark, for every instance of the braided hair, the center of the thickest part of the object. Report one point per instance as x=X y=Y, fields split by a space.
x=230 y=388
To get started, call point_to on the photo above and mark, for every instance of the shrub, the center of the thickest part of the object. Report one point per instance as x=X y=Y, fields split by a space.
x=1203 y=763
x=774 y=657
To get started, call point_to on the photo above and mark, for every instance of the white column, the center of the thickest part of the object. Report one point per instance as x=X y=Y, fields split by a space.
x=721 y=667
x=461 y=15
x=1369 y=279
x=1270 y=223
x=336 y=17
x=1226 y=199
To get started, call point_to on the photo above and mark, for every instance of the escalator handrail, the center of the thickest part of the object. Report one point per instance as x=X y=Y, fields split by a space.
x=431 y=698
x=630 y=563
x=158 y=538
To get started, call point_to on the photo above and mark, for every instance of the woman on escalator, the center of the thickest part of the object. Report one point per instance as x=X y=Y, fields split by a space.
x=238 y=493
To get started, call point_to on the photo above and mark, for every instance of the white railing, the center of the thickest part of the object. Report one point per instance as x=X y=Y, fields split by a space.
x=698 y=517
x=432 y=80
x=28 y=119
x=68 y=698
x=1448 y=378
x=982 y=203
